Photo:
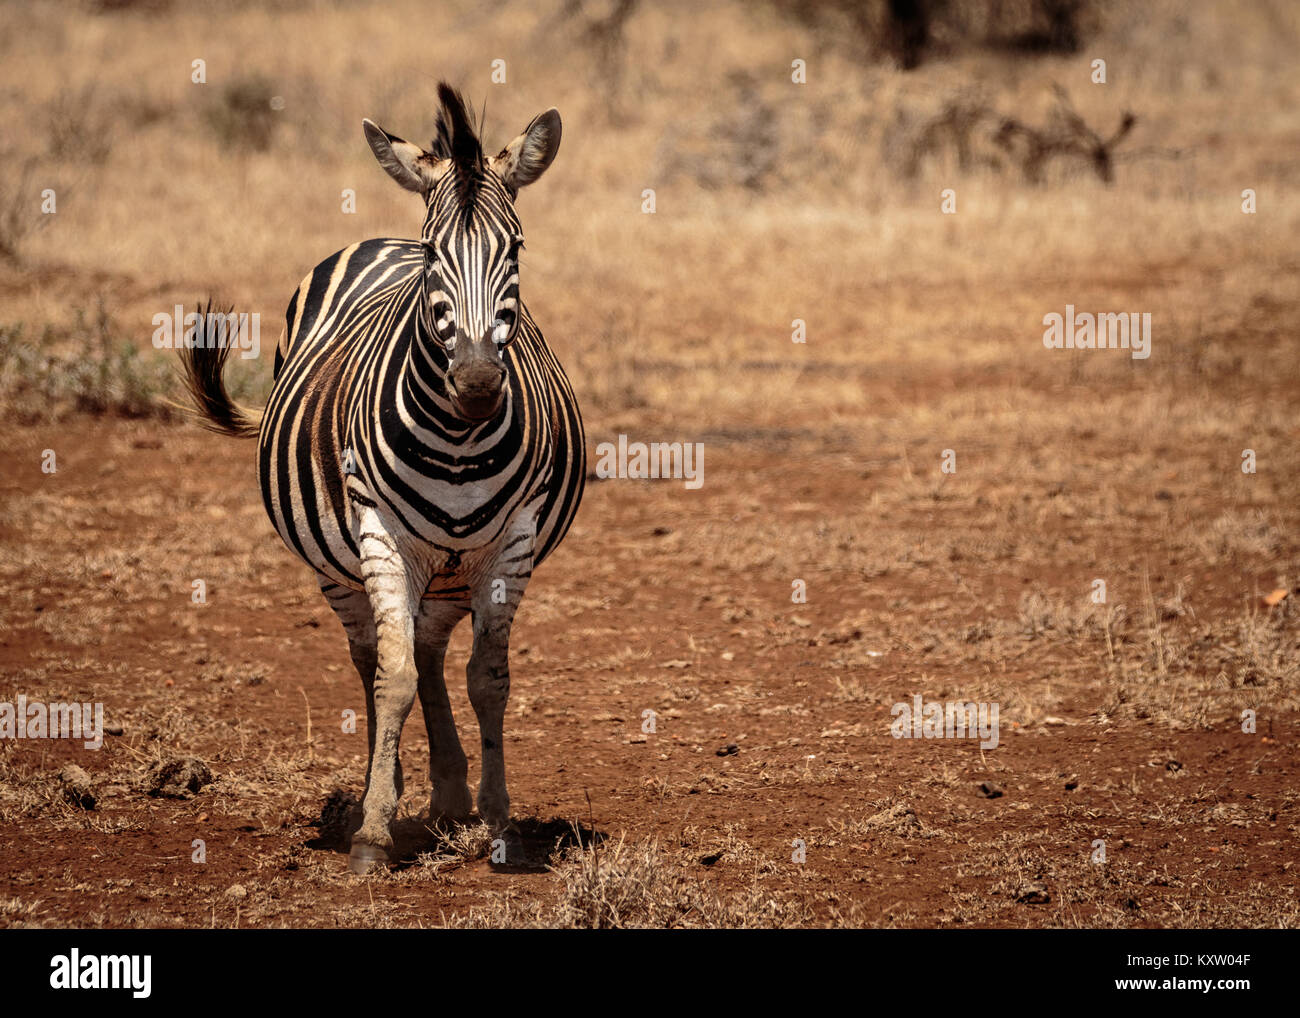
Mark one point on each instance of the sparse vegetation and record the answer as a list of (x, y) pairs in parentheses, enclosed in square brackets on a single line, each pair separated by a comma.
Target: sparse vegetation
[(20, 210), (979, 137), (1120, 720), (244, 118), (102, 371), (79, 127)]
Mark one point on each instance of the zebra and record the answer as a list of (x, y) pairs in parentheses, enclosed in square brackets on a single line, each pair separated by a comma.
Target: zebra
[(422, 450)]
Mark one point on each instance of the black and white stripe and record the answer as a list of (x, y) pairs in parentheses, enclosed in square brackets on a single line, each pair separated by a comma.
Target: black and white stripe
[(358, 374), (422, 451)]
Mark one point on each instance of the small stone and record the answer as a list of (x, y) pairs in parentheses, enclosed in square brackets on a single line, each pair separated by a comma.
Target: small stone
[(990, 790), (77, 787), (177, 779), (1033, 892), (730, 749)]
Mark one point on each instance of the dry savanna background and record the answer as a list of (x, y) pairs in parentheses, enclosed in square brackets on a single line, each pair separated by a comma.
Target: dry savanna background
[(909, 190)]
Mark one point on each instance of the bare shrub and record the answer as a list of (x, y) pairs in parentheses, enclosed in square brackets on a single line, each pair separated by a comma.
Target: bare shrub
[(79, 126), (244, 117), (107, 374), (601, 32), (977, 135), (740, 146), (911, 32), (20, 211)]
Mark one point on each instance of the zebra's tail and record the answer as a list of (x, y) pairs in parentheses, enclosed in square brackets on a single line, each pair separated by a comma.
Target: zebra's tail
[(201, 368)]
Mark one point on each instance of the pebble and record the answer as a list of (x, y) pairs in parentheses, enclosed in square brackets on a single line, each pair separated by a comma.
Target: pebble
[(77, 786), (1033, 892)]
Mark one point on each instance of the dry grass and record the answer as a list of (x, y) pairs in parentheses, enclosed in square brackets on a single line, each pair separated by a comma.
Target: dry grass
[(619, 885), (831, 227), (775, 202)]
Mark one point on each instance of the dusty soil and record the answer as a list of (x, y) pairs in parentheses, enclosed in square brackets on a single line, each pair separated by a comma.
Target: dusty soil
[(677, 601), (1123, 722)]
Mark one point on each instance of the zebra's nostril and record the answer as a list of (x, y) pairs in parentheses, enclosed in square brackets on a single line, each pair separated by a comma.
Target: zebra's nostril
[(478, 382)]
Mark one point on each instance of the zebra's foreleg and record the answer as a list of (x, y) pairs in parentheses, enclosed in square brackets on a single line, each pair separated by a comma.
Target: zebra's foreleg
[(394, 599), (450, 800)]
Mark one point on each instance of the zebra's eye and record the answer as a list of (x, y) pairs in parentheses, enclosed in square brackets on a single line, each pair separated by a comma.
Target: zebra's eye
[(444, 320), (516, 246), (503, 329), (504, 325)]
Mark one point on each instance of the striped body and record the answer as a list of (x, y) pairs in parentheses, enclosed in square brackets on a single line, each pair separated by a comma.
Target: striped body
[(355, 373), (422, 451)]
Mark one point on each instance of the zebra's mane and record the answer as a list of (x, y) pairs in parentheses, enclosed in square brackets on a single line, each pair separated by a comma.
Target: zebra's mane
[(458, 141)]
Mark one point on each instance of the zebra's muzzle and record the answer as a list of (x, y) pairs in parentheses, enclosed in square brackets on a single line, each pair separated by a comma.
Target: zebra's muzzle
[(476, 384)]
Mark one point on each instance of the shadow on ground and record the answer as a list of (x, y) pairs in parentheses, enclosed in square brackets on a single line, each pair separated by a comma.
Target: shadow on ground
[(532, 845)]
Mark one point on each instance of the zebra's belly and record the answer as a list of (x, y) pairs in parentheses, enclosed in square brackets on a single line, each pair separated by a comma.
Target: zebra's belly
[(307, 506), (311, 497), (455, 576)]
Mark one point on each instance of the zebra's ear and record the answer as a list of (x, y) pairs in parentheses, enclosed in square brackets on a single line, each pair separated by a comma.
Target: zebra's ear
[(409, 165), (527, 157)]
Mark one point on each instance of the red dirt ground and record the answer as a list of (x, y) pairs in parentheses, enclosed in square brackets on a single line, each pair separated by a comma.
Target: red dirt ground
[(644, 606)]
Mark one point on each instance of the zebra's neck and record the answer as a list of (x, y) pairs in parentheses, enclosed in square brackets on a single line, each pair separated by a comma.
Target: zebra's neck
[(422, 391)]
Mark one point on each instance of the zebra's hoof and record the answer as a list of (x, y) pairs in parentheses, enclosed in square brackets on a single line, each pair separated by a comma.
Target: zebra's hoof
[(365, 858)]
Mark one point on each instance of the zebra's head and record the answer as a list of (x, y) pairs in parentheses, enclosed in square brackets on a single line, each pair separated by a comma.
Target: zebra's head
[(472, 239)]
